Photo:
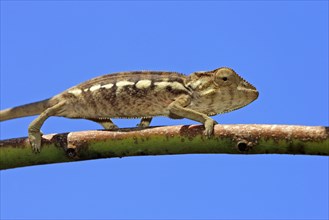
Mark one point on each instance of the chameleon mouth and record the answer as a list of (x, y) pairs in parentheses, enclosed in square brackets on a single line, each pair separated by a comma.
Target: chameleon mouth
[(233, 109), (230, 110), (226, 111)]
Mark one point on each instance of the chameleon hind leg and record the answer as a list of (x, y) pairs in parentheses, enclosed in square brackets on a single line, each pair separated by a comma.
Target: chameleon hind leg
[(34, 127), (106, 123), (145, 122)]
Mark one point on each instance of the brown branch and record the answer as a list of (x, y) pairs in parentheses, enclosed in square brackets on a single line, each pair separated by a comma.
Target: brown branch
[(228, 139)]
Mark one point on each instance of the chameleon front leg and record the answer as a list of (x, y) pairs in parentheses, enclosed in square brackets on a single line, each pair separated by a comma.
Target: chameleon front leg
[(34, 127), (178, 109), (106, 123), (145, 122)]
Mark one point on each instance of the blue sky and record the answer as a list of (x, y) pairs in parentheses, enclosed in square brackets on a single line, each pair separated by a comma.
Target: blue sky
[(280, 47)]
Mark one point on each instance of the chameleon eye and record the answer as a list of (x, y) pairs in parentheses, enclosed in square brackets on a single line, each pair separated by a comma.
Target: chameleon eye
[(223, 77)]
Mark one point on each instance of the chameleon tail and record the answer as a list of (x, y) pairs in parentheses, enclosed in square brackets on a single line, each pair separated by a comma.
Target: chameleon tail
[(25, 110)]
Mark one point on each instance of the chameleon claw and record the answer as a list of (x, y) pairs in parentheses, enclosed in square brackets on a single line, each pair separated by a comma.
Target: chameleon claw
[(112, 127), (143, 125), (109, 126), (208, 133), (209, 127), (35, 141)]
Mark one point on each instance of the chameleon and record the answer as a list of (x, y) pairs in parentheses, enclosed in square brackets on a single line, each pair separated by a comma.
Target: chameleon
[(142, 94)]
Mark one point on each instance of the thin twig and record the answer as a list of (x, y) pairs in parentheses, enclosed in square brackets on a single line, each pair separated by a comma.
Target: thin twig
[(227, 139)]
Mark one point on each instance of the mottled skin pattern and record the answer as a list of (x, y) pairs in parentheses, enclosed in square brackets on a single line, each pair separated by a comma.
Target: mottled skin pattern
[(142, 94)]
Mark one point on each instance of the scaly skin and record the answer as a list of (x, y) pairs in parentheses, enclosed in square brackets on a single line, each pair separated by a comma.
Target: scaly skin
[(142, 94)]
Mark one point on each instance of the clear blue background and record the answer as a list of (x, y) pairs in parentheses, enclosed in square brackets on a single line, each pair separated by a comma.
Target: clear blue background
[(280, 47)]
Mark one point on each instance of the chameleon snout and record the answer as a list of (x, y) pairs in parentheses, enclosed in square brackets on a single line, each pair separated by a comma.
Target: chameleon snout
[(244, 86)]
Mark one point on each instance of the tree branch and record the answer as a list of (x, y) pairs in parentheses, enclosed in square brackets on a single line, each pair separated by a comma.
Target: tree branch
[(228, 139)]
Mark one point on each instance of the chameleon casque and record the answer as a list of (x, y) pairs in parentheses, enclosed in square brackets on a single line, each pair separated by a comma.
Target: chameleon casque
[(142, 94)]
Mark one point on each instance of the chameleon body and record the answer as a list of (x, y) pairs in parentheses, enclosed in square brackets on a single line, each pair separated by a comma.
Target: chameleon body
[(142, 94)]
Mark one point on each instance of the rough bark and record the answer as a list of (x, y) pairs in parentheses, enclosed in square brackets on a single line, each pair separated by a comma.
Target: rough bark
[(168, 140)]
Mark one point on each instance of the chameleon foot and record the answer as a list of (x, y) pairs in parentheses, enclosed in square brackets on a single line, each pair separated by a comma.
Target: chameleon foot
[(35, 141), (109, 126), (145, 122), (209, 127)]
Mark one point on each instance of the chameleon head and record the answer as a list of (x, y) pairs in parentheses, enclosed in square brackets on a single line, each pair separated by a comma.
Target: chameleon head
[(232, 91), (219, 91)]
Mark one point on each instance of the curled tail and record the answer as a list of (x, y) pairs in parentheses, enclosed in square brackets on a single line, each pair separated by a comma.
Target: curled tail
[(25, 110)]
